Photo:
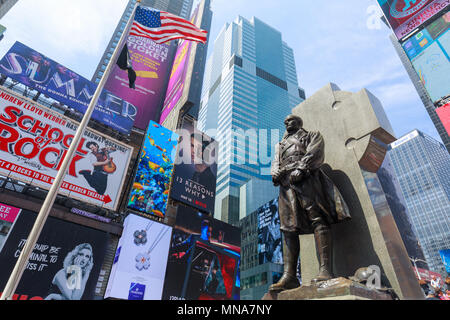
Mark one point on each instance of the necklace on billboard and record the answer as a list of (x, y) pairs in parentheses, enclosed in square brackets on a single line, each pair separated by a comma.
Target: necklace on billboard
[(140, 236), (143, 259)]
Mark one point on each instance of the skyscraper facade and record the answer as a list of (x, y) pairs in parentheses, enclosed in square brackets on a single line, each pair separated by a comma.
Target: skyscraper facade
[(422, 166), (5, 6), (250, 86), (181, 8)]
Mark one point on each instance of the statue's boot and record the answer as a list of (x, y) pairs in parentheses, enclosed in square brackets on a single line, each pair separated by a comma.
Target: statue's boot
[(291, 250), (324, 249)]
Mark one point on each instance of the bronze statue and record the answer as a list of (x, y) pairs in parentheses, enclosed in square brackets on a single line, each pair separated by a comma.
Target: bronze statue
[(309, 202)]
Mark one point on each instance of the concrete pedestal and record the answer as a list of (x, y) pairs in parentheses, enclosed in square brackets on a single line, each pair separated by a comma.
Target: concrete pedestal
[(334, 289)]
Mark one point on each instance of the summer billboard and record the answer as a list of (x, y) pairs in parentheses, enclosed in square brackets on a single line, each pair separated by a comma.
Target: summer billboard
[(65, 262), (204, 259), (152, 63), (405, 16), (140, 262), (39, 72), (150, 191)]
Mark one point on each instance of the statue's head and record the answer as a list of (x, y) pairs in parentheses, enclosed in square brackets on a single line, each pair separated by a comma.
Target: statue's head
[(293, 123)]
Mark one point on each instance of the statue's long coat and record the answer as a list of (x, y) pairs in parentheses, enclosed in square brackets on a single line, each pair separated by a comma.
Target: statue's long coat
[(305, 150)]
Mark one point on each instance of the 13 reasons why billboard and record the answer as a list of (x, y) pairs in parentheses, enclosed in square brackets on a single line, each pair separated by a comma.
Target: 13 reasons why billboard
[(34, 141), (194, 181), (39, 72), (429, 52), (150, 191), (140, 262), (152, 63), (64, 265), (405, 16), (204, 259)]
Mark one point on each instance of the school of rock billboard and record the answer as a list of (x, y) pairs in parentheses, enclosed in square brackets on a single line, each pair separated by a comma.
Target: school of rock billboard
[(150, 190), (41, 73), (194, 181), (269, 234), (204, 259), (65, 262), (152, 63), (139, 265), (404, 16), (34, 141)]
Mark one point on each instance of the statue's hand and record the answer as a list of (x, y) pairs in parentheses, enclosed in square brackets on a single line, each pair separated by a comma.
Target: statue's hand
[(276, 178), (296, 176)]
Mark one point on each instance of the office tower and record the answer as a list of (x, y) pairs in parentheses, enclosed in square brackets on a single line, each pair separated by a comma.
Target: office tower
[(250, 87), (5, 6), (181, 8), (422, 166)]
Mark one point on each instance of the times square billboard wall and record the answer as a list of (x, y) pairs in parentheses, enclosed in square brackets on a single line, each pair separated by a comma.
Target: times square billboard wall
[(64, 265), (150, 190), (140, 261), (429, 52), (404, 16), (41, 73), (152, 63), (195, 173), (34, 141), (204, 259), (269, 235)]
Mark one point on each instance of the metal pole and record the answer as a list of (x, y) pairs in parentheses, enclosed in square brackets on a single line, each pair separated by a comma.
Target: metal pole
[(22, 262)]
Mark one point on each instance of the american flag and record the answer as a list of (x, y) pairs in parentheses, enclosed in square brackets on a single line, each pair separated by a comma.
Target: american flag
[(162, 27)]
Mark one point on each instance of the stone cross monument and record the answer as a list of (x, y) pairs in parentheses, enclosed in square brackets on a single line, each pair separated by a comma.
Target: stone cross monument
[(356, 132)]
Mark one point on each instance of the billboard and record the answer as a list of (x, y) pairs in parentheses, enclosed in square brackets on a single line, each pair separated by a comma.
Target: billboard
[(270, 247), (152, 63), (150, 191), (445, 256), (176, 85), (427, 275), (429, 52), (140, 262), (8, 216), (444, 115), (204, 259), (64, 265), (39, 72), (34, 141), (195, 175), (404, 16)]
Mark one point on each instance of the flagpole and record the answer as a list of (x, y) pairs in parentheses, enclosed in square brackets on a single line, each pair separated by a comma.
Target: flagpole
[(22, 262)]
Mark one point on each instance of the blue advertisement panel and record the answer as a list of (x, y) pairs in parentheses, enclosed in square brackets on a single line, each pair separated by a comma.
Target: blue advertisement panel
[(39, 72), (445, 256), (150, 191), (429, 52), (269, 235)]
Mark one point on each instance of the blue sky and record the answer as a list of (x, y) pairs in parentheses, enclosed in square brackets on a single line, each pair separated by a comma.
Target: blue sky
[(332, 42)]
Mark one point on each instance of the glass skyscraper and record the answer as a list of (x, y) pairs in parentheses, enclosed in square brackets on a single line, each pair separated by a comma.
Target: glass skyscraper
[(422, 166), (250, 87), (181, 8)]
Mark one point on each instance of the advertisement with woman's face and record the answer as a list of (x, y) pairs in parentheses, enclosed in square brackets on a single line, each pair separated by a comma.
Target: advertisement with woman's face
[(65, 263)]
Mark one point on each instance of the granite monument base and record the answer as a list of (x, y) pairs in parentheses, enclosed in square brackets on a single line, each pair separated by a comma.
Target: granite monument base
[(334, 289)]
